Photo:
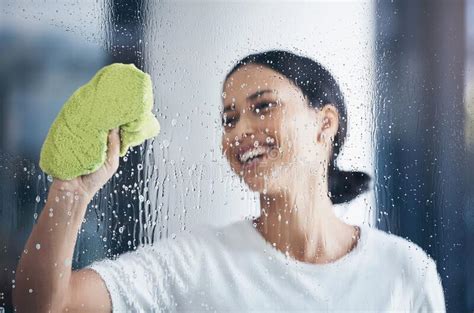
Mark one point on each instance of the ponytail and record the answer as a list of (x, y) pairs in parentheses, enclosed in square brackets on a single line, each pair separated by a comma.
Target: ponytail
[(346, 185)]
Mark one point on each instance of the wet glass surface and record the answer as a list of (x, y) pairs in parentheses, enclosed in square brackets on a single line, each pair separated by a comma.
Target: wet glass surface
[(406, 74)]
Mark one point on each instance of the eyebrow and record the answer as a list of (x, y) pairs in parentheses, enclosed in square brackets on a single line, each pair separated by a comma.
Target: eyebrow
[(250, 98)]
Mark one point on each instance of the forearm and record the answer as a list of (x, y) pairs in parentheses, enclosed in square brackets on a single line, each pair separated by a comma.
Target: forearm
[(43, 275), (44, 270)]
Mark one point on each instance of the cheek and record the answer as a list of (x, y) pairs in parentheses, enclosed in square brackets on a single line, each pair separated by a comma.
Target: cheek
[(296, 141), (228, 149), (274, 127), (287, 135), (308, 148), (226, 145)]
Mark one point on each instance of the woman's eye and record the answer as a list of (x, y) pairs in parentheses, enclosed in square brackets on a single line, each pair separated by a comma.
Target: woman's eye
[(263, 106), (228, 121)]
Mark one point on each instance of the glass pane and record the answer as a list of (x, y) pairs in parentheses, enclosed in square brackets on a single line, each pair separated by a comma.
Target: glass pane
[(311, 156)]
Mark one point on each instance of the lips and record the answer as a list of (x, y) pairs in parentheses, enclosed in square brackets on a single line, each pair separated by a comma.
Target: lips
[(243, 152)]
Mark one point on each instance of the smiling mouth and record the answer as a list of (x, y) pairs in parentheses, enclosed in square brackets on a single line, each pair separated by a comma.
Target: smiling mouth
[(254, 161), (254, 156)]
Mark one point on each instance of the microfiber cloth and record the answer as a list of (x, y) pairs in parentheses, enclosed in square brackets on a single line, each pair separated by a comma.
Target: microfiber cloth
[(119, 95)]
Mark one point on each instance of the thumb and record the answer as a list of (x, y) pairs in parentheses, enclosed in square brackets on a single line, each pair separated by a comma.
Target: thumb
[(113, 149)]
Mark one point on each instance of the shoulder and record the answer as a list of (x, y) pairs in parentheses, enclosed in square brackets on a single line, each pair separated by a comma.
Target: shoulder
[(407, 266), (402, 254)]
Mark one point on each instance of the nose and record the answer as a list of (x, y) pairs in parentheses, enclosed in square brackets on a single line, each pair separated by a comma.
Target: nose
[(243, 128)]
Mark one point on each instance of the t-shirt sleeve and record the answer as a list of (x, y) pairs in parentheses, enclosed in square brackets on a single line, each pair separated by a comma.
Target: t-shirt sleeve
[(137, 281), (431, 296)]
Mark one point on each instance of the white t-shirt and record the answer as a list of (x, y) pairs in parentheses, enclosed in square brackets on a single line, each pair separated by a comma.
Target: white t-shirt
[(234, 269)]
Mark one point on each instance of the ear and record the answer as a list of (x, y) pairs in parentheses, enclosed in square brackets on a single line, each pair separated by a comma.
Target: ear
[(329, 121)]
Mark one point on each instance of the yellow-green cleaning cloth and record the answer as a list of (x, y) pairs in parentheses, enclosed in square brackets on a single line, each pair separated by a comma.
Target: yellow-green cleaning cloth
[(119, 95)]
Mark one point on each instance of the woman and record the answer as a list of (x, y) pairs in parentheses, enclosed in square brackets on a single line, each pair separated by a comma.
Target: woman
[(284, 121)]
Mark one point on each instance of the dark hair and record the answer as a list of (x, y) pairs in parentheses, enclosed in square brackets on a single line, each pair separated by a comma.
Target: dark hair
[(320, 87)]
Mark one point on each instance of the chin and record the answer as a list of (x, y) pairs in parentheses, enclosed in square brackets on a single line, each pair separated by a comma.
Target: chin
[(259, 176)]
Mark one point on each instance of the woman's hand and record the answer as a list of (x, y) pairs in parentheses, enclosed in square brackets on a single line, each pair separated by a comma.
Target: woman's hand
[(86, 186)]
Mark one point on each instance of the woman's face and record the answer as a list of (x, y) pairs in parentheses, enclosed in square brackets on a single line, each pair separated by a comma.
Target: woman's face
[(271, 134)]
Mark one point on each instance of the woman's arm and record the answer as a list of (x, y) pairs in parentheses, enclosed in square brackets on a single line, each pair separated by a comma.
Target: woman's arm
[(44, 281)]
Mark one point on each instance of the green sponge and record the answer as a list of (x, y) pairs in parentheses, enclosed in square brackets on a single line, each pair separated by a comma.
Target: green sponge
[(119, 95)]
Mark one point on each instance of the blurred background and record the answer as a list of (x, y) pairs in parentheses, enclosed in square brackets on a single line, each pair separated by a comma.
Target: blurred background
[(406, 69)]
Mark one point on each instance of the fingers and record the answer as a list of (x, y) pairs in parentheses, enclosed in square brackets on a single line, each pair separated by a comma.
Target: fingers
[(113, 149)]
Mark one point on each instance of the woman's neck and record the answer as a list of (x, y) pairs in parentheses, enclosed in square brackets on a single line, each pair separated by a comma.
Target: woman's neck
[(301, 222)]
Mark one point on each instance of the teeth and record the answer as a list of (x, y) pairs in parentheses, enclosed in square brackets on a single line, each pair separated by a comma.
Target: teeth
[(253, 153)]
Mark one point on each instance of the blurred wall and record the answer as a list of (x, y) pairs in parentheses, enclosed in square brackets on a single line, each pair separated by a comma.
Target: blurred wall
[(424, 175), (469, 128)]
